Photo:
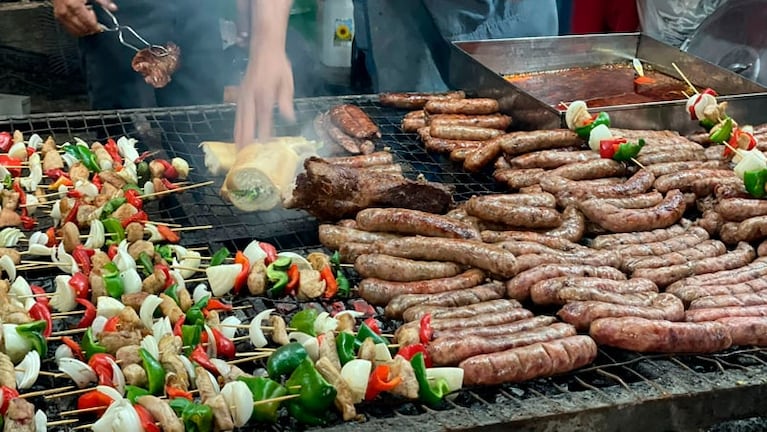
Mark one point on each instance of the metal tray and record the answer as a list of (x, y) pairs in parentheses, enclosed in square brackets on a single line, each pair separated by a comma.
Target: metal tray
[(479, 67)]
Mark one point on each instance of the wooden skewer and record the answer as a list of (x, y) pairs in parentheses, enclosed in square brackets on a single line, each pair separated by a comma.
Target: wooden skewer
[(83, 410), (249, 359), (258, 352), (62, 422), (178, 189), (192, 228), (686, 95), (196, 270), (636, 162), (167, 224), (46, 373), (687, 81), (277, 399), (65, 314), (197, 280), (69, 393), (69, 332), (45, 392)]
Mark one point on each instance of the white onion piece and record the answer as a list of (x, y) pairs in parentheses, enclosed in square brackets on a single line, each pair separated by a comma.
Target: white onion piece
[(16, 346), (221, 278), (222, 366), (131, 281), (127, 148), (98, 325), (312, 347), (749, 160), (63, 351), (20, 290), (154, 233), (189, 368), (598, 134), (7, 265), (300, 262), (257, 337), (28, 370), (56, 213), (106, 422), (452, 375), (574, 111), (87, 188), (229, 326), (161, 328), (356, 373), (64, 261), (148, 188), (32, 203), (38, 237), (240, 401), (150, 344), (212, 349), (41, 421), (34, 178), (18, 151), (146, 313), (9, 237), (123, 260), (190, 261), (128, 173), (62, 190), (355, 314), (200, 291), (383, 355), (324, 323), (118, 378), (254, 252), (108, 306), (216, 387), (35, 141), (127, 419), (63, 300), (81, 373), (180, 282), (95, 235), (299, 337), (39, 250), (109, 392), (181, 166), (706, 100)]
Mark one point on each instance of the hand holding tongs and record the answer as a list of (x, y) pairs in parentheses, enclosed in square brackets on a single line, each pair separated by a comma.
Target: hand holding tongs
[(157, 50)]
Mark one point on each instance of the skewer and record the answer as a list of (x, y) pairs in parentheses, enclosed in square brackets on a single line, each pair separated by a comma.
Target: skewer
[(45, 392), (64, 314), (636, 162), (68, 332), (178, 189), (192, 228), (687, 81), (62, 422), (201, 280), (46, 373), (82, 410), (69, 393), (249, 359)]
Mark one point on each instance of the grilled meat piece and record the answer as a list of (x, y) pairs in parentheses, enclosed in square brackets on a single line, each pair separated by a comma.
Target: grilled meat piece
[(157, 69)]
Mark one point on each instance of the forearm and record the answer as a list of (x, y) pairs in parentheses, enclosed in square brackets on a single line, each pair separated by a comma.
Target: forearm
[(269, 24)]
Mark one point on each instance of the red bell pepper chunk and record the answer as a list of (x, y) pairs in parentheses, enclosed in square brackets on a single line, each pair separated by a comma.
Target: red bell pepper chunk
[(55, 173), (379, 382), (72, 215), (271, 252), (170, 170), (148, 423), (215, 304), (51, 234), (13, 165), (174, 392), (30, 151), (94, 399), (6, 141), (83, 259), (89, 315), (111, 324), (242, 277), (607, 148), (166, 274), (331, 285), (100, 364), (76, 194), (79, 283), (168, 185), (96, 180), (40, 312), (177, 326), (139, 217), (28, 222), (407, 352), (200, 357), (425, 332), (224, 346), (74, 347), (133, 197), (114, 152), (294, 279), (168, 234), (372, 323), (43, 299), (112, 251), (8, 395)]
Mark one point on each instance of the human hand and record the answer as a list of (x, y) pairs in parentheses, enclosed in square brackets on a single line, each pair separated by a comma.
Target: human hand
[(268, 81), (77, 17)]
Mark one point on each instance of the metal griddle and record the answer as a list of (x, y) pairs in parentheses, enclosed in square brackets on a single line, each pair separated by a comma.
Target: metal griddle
[(479, 66), (620, 391)]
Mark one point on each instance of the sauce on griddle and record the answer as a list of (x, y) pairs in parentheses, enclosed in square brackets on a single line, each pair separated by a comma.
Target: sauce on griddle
[(599, 86)]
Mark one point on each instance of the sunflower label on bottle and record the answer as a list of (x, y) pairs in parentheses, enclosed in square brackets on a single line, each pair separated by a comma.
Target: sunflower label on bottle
[(336, 31), (344, 31)]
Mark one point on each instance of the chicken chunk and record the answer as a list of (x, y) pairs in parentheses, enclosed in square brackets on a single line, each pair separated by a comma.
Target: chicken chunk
[(408, 387), (344, 400), (170, 309), (128, 320), (328, 350), (112, 178), (7, 373), (279, 330), (204, 384), (222, 416), (134, 232), (128, 355), (368, 350), (9, 218), (20, 416), (136, 248), (134, 300), (310, 285), (113, 341), (162, 412), (257, 278), (52, 160), (10, 200), (99, 260), (124, 212), (78, 171), (86, 213), (135, 375), (184, 298), (70, 236)]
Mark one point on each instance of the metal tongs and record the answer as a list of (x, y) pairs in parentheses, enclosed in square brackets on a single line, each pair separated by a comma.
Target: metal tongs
[(156, 50)]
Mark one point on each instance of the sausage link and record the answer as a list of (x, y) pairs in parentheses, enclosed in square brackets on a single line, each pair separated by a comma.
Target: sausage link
[(493, 121), (640, 201), (706, 249), (460, 154), (611, 259), (636, 184), (516, 215), (530, 236), (463, 133), (744, 299), (354, 122), (683, 180), (550, 291), (363, 161), (576, 294), (647, 335), (615, 219), (690, 238), (351, 251), (671, 156), (761, 250), (334, 236), (710, 221), (608, 241), (746, 331), (415, 313), (498, 330), (752, 229), (413, 121), (518, 178), (691, 293), (380, 292), (661, 169), (591, 169), (573, 225), (451, 351), (529, 362), (405, 221), (475, 106), (740, 209), (519, 286), (751, 271), (542, 199), (396, 269), (483, 156), (516, 143), (416, 100), (550, 159), (445, 324), (478, 294), (581, 314), (713, 314)]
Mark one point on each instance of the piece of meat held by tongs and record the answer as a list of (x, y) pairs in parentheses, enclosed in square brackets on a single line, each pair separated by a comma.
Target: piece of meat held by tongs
[(155, 62)]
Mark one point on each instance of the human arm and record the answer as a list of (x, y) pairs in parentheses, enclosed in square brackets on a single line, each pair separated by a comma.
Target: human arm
[(268, 79), (77, 17)]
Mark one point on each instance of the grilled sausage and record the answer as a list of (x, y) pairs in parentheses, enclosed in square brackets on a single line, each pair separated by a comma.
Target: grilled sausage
[(747, 272), (483, 156), (493, 121), (591, 169), (529, 236), (334, 236), (405, 221), (706, 249), (380, 292), (415, 313), (611, 259), (671, 156), (528, 362), (691, 293), (741, 256), (636, 184), (497, 330), (542, 199), (578, 294), (516, 215), (661, 169), (460, 154), (550, 159), (743, 299), (761, 250), (402, 270), (349, 143), (683, 180), (550, 291), (477, 106), (416, 100), (615, 219), (408, 333), (463, 133), (362, 161), (491, 258), (413, 121), (640, 201), (519, 287), (518, 178), (354, 122), (713, 314), (351, 251), (451, 351), (752, 229), (729, 187), (691, 237), (573, 226), (728, 232), (746, 331), (710, 221), (518, 247), (608, 241), (440, 145), (581, 314), (516, 143), (478, 294), (647, 335)]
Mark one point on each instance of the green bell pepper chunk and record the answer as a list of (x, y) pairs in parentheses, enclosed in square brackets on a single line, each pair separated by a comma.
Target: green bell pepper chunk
[(146, 263), (316, 394), (602, 119), (113, 226), (164, 251), (89, 346), (33, 333), (303, 321), (219, 257), (628, 151), (113, 283), (8, 182), (722, 131), (171, 292), (707, 124), (335, 260), (2, 423), (142, 172), (194, 316), (131, 186), (365, 332), (302, 416), (132, 393), (344, 286), (155, 374), (202, 302), (755, 182), (277, 273), (263, 389), (178, 405), (190, 336), (111, 206), (285, 359), (428, 392), (346, 347), (197, 418), (88, 158)]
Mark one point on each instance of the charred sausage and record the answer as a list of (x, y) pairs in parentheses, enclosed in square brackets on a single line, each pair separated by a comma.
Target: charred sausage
[(416, 100), (493, 121), (380, 292), (519, 286), (476, 106), (581, 314), (615, 219), (646, 335), (636, 184), (354, 122), (402, 270), (405, 221)]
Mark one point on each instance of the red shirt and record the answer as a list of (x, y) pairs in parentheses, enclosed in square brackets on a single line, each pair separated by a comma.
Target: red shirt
[(604, 16)]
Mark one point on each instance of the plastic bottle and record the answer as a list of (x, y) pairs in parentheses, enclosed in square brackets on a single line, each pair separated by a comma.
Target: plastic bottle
[(336, 28)]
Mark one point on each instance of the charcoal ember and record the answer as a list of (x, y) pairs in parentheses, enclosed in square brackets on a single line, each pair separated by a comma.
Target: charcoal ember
[(285, 308), (157, 69), (331, 192), (362, 306)]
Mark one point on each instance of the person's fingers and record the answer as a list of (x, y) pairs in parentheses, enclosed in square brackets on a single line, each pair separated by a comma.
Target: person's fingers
[(285, 101), (108, 4), (80, 20), (244, 122), (264, 115)]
